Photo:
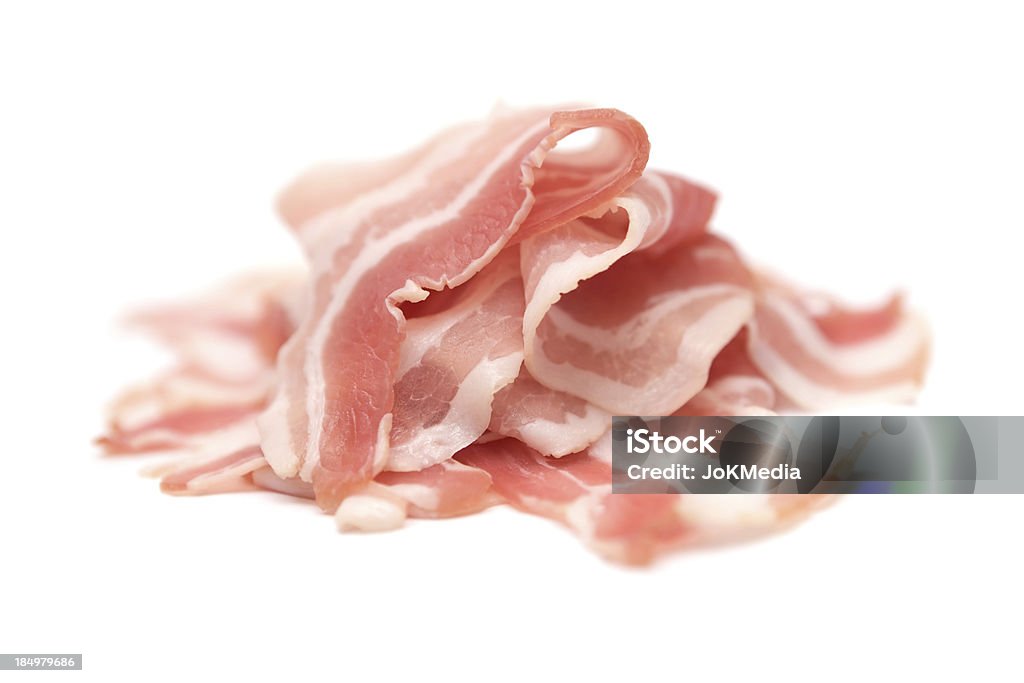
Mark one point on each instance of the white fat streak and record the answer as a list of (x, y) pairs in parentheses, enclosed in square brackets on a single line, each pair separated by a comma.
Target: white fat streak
[(372, 254), (373, 509), (635, 332), (732, 395), (181, 388), (579, 515), (573, 433), (809, 394), (700, 341), (206, 447), (321, 234), (152, 402), (601, 449), (275, 437), (565, 276), (741, 385), (203, 445), (223, 478), (718, 514), (876, 356), (380, 453), (424, 334), (322, 238), (423, 497), (655, 181), (234, 437), (468, 416), (593, 490)]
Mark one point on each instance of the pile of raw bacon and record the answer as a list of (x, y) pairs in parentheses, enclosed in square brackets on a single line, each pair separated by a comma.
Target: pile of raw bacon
[(472, 315)]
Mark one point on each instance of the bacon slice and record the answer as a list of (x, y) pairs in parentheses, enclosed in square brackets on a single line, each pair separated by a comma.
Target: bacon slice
[(178, 410), (451, 364), (735, 385), (232, 332), (219, 474), (638, 338), (732, 395), (441, 217), (448, 489), (631, 528), (820, 353), (576, 491), (226, 342), (552, 422)]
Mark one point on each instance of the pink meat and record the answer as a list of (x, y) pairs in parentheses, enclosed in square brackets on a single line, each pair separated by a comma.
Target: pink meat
[(474, 313), (638, 338), (549, 421), (452, 362), (448, 489), (631, 528), (819, 353), (232, 332), (225, 341), (221, 474), (440, 217), (735, 385)]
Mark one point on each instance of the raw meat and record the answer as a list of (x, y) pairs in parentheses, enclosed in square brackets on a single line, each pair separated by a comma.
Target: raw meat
[(473, 314)]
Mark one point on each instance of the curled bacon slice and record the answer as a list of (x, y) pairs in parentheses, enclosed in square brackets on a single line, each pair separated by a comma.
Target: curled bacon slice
[(820, 353), (440, 216)]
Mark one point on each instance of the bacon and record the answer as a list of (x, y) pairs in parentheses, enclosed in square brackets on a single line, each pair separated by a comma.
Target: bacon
[(638, 338), (232, 332), (220, 474), (451, 364), (735, 385), (631, 528), (473, 314), (266, 479), (226, 341), (820, 353), (552, 422), (576, 491), (448, 489), (443, 215), (179, 409), (732, 395)]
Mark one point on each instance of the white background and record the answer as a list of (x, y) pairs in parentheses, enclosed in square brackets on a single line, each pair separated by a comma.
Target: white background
[(862, 149)]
